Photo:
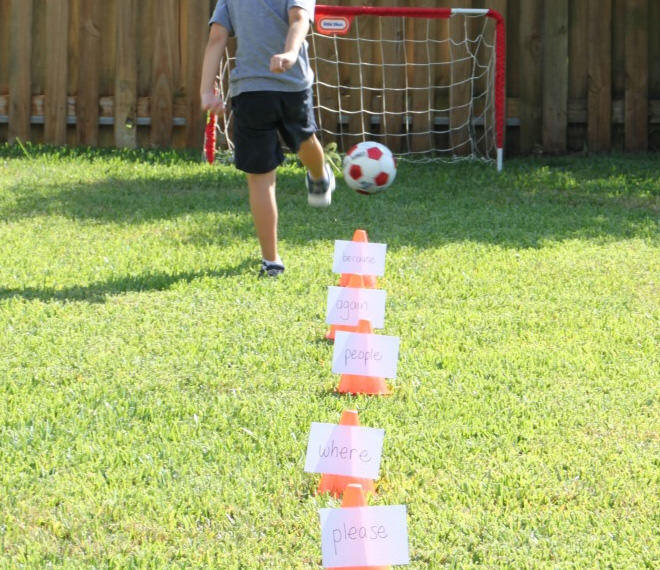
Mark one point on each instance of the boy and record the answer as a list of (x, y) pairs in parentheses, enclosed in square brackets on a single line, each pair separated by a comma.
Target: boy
[(270, 89)]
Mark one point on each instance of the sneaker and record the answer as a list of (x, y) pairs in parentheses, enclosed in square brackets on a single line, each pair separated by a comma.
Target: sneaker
[(319, 192), (271, 269)]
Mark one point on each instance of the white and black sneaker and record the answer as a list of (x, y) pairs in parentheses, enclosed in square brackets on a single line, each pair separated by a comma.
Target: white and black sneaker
[(271, 268), (319, 192)]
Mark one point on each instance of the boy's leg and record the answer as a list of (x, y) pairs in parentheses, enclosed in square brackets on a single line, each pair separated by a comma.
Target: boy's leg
[(264, 212), (311, 155), (258, 154), (320, 180)]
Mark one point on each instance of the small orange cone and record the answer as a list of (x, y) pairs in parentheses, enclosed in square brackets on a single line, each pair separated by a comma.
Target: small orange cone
[(369, 281), (360, 384), (354, 497), (357, 282), (335, 484)]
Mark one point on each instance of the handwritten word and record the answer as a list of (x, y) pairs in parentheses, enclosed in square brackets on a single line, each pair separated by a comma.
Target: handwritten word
[(345, 307), (363, 355), (358, 258), (374, 532), (343, 452)]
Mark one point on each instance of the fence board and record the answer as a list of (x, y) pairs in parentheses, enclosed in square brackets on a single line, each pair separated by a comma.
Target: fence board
[(125, 111), (20, 52), (654, 69), (196, 35), (421, 100), (393, 81), (513, 48), (327, 118), (459, 92), (75, 52), (578, 48), (351, 121), (5, 18), (57, 28), (636, 53), (323, 54), (145, 45), (377, 100), (87, 109), (599, 97), (530, 49), (618, 48), (578, 64), (654, 49), (163, 75), (39, 46), (555, 76)]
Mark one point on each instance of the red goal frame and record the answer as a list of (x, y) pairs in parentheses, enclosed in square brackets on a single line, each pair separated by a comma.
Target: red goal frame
[(337, 20)]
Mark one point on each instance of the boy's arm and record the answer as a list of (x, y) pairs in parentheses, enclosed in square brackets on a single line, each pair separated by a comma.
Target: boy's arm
[(215, 49), (298, 28)]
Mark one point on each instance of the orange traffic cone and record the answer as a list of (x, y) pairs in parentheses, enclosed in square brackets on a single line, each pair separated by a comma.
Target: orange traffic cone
[(369, 281), (360, 384), (357, 282), (354, 497), (330, 335), (335, 484), (360, 235)]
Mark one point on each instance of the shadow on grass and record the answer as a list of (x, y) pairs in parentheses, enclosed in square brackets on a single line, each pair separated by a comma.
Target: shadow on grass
[(531, 202), (100, 291), (130, 200)]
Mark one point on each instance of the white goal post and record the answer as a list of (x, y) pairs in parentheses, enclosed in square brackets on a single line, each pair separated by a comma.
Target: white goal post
[(429, 83)]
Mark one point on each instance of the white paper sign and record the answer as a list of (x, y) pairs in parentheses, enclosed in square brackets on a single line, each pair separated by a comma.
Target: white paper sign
[(364, 536), (359, 257), (344, 450), (348, 305), (365, 354)]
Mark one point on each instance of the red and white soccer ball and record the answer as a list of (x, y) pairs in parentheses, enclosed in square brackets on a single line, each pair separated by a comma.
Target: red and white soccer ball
[(369, 167)]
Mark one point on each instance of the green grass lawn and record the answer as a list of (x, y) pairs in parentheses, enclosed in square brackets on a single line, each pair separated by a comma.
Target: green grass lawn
[(156, 397)]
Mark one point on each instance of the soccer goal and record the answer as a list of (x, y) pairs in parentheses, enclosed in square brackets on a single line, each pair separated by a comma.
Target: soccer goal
[(426, 82)]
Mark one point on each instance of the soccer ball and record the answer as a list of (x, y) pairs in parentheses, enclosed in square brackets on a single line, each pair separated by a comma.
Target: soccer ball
[(369, 167)]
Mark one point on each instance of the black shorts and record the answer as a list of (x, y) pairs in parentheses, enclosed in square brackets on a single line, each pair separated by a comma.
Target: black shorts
[(261, 117)]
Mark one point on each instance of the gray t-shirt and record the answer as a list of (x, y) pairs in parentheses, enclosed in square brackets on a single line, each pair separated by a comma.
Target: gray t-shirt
[(260, 28)]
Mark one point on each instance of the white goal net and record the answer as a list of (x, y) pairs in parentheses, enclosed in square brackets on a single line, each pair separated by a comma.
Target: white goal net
[(426, 82)]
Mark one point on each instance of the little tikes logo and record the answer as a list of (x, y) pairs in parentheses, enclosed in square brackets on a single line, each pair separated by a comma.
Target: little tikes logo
[(333, 25)]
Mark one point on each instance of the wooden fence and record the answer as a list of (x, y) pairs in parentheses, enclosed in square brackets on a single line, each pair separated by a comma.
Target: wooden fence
[(581, 74)]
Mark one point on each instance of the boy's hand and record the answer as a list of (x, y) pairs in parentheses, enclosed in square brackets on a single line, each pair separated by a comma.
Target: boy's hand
[(213, 103), (282, 62)]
